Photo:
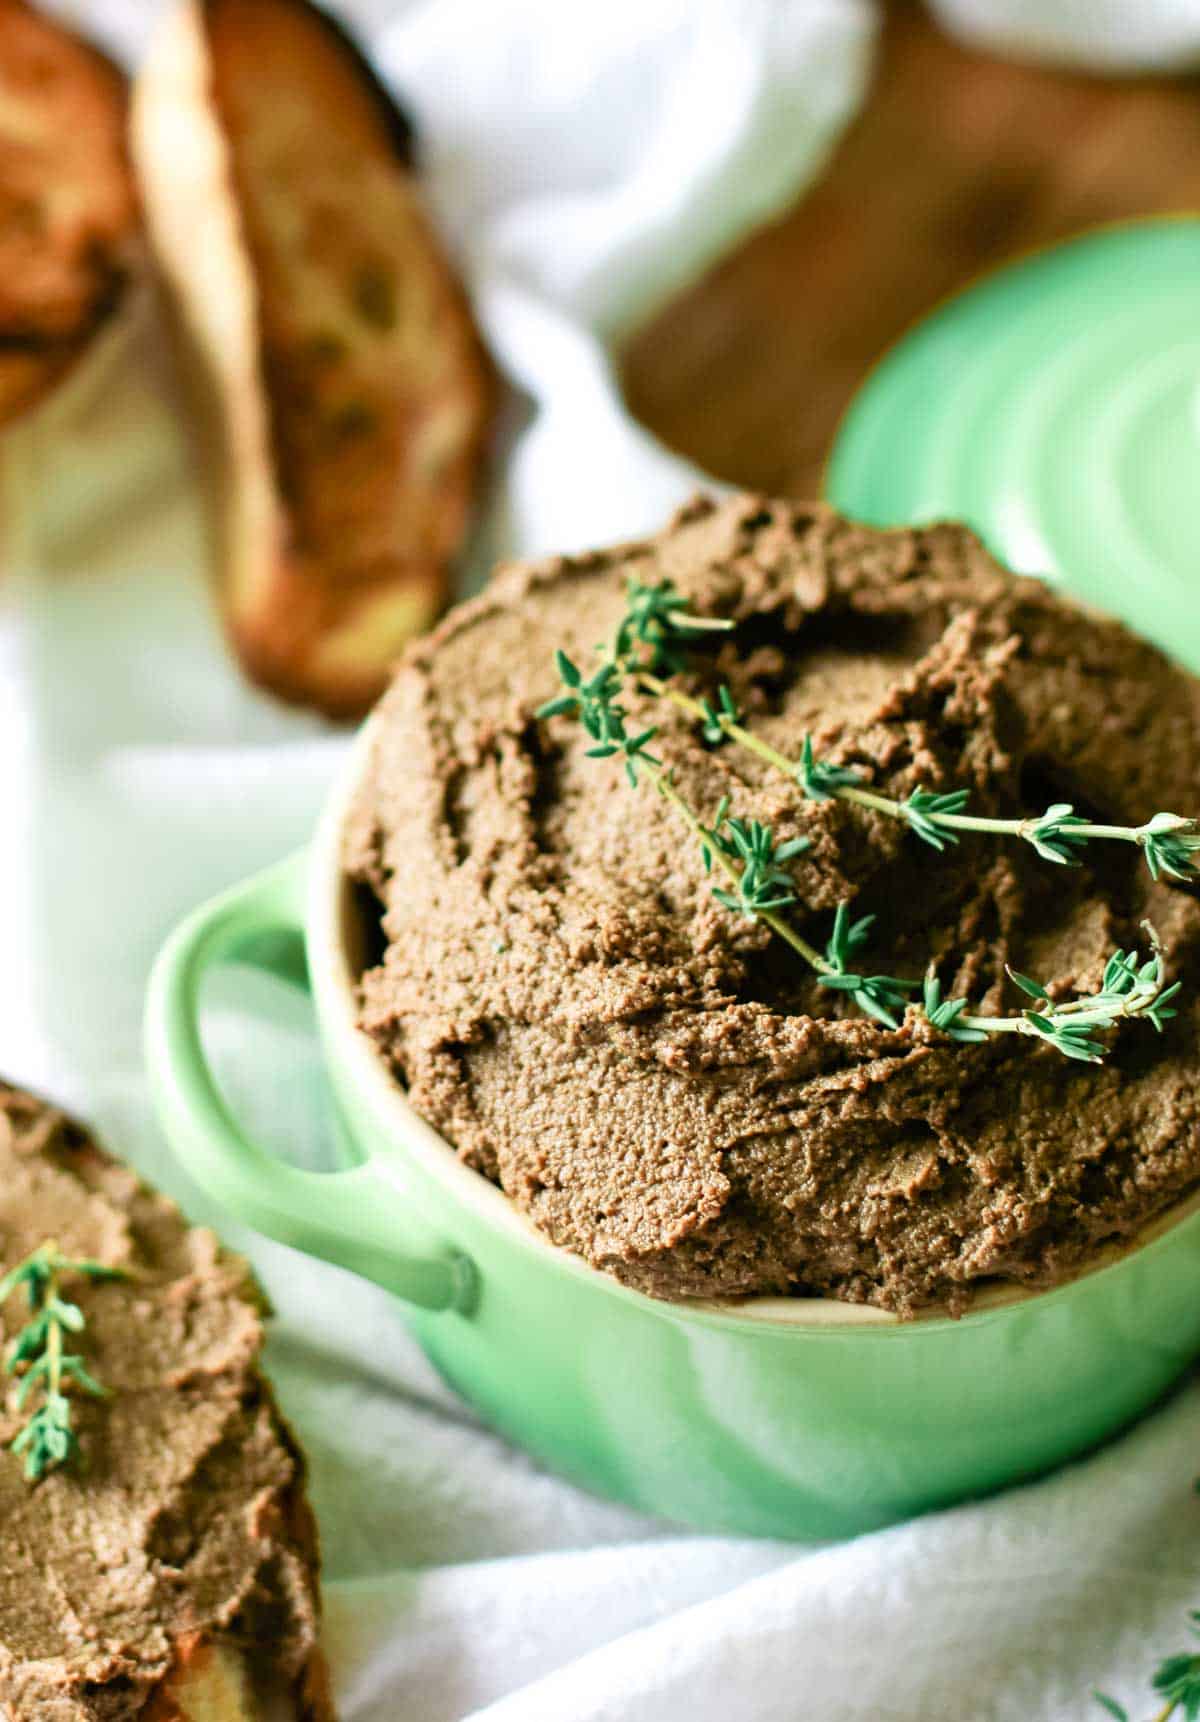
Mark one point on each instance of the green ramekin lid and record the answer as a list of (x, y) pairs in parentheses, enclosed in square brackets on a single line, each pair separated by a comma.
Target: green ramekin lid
[(1055, 407)]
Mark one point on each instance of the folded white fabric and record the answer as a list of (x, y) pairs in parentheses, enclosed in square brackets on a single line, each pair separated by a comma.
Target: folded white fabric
[(586, 160), (1104, 35)]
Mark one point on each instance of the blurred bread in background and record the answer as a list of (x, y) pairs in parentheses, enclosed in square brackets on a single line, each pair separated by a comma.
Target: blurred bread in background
[(68, 205), (344, 396)]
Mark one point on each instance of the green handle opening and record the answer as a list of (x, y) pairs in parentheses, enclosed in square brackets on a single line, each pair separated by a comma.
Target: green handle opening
[(347, 1218)]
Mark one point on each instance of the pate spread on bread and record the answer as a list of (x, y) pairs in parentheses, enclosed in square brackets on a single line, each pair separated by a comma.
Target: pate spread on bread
[(168, 1572)]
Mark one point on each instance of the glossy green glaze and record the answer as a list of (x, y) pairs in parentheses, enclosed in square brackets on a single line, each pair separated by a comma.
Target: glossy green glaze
[(1056, 408)]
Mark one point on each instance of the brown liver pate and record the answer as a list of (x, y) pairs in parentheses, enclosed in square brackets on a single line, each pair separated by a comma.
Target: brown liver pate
[(658, 1083)]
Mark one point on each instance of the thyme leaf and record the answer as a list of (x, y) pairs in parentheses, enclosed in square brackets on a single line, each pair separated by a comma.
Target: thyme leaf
[(1057, 834), (946, 1014), (1169, 844), (820, 779), (717, 716), (926, 814), (596, 705)]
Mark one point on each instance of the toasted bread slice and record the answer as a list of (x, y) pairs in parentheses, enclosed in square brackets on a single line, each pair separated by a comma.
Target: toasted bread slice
[(345, 389), (68, 205)]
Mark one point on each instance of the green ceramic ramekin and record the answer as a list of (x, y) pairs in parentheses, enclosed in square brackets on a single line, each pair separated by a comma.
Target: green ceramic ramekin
[(1057, 407), (805, 1419)]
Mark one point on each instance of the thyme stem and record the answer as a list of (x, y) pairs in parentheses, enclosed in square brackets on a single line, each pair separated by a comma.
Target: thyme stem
[(735, 731), (1167, 840), (54, 1353), (1081, 1011)]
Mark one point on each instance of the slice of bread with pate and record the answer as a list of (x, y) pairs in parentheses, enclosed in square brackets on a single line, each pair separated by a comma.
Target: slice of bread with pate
[(165, 1569)]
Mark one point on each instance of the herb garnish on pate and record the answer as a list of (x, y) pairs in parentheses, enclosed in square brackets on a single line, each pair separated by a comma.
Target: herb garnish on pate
[(38, 1359), (649, 646)]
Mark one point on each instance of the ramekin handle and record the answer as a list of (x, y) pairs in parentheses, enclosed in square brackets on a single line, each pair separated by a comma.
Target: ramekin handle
[(344, 1217)]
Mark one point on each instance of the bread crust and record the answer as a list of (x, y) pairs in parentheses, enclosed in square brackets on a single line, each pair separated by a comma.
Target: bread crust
[(68, 205), (344, 393), (211, 1682)]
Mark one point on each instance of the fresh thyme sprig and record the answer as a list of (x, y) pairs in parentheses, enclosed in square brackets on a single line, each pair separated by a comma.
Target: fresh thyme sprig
[(762, 888), (1169, 842), (657, 619), (1176, 1681), (37, 1358)]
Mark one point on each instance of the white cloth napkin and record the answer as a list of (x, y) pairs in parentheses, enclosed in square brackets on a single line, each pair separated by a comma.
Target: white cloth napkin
[(585, 160), (1103, 35)]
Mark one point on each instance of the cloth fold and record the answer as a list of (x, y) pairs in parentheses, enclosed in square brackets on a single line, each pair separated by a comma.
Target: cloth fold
[(585, 162)]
